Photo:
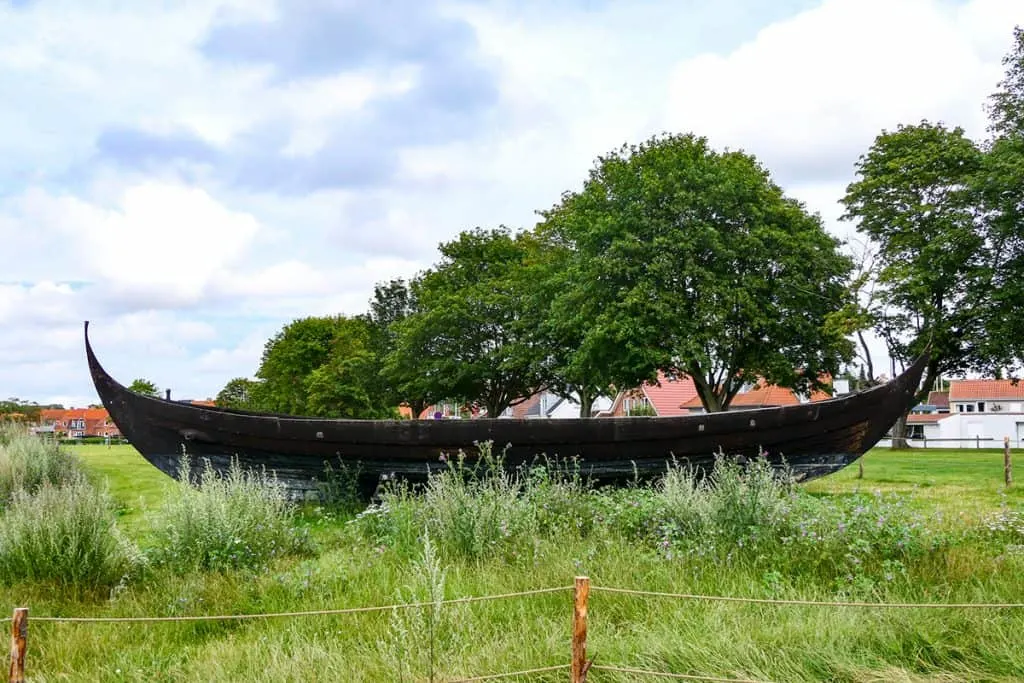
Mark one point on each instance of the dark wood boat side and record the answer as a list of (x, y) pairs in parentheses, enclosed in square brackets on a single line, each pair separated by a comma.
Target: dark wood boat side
[(814, 439)]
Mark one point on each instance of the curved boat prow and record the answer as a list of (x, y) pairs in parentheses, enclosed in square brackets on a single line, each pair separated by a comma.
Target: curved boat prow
[(105, 384)]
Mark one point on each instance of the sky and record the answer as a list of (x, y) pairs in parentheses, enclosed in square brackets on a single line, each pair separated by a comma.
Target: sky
[(191, 176)]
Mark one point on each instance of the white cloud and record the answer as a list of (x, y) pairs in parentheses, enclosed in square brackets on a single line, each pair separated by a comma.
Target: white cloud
[(809, 94), (186, 278), (161, 240)]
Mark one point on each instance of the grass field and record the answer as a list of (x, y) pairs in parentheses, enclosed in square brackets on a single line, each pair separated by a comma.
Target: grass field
[(955, 489)]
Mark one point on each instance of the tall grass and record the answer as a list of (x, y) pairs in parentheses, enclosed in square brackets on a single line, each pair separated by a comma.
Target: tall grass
[(64, 536), (27, 462), (739, 515), (749, 532), (480, 509), (243, 519)]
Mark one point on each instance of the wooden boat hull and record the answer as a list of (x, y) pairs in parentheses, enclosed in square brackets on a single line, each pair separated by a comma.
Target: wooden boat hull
[(813, 439)]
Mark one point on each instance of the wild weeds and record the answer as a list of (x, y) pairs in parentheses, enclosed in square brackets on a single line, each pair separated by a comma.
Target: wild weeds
[(419, 639), (748, 513), (28, 461), (242, 519), (65, 536)]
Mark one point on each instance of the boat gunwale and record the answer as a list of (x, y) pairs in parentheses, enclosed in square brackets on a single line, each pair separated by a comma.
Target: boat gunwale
[(399, 431)]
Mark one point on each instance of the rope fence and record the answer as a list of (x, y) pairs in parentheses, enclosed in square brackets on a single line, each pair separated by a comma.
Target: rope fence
[(579, 665), (813, 603)]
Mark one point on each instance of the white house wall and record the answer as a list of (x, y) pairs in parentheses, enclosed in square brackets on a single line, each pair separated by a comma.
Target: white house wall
[(571, 408), (971, 430)]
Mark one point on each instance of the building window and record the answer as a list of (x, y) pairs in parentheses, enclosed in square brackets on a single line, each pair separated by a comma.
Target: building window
[(915, 431), (981, 406), (638, 406)]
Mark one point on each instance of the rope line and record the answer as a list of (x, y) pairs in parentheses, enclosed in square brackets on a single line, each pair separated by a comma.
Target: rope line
[(539, 591), (812, 603), (664, 674), (491, 677), (324, 612)]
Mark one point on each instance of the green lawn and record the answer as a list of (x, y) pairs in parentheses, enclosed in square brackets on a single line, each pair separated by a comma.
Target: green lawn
[(965, 481), (136, 485)]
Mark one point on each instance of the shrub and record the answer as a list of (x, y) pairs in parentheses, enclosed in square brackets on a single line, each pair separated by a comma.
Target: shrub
[(243, 519), (469, 510), (472, 510), (65, 535), (27, 462)]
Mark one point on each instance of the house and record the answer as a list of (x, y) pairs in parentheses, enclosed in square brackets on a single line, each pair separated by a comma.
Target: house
[(975, 413), (448, 410), (547, 404), (663, 399), (78, 422), (761, 395), (936, 403)]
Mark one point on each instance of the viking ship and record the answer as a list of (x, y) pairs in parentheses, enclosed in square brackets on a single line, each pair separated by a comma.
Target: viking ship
[(811, 439)]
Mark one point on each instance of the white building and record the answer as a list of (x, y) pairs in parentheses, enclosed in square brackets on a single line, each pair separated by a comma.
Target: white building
[(979, 414)]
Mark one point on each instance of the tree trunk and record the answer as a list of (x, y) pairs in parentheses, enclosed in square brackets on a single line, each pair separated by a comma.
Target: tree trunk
[(709, 398), (417, 406), (867, 358), (586, 403), (899, 430)]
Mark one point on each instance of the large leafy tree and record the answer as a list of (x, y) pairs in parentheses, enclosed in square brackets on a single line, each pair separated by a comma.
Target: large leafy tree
[(1006, 105), (913, 199), (1001, 188), (348, 384), (553, 311), (289, 357), (239, 392), (321, 366), (393, 302), (468, 340), (690, 260)]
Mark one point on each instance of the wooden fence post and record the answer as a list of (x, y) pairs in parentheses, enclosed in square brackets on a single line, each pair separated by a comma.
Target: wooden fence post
[(1007, 463), (579, 630), (19, 638)]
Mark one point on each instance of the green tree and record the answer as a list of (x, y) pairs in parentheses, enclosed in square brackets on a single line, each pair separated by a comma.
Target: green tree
[(689, 260), (348, 385), (393, 302), (468, 340), (913, 198), (1006, 104), (553, 313), (1001, 188), (16, 409), (238, 393), (322, 366), (144, 387), (289, 357)]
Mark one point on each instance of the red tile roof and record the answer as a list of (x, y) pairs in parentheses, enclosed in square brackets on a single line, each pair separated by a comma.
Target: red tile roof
[(939, 399), (669, 396), (918, 418), (50, 414), (974, 389), (96, 421), (519, 410), (762, 396)]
